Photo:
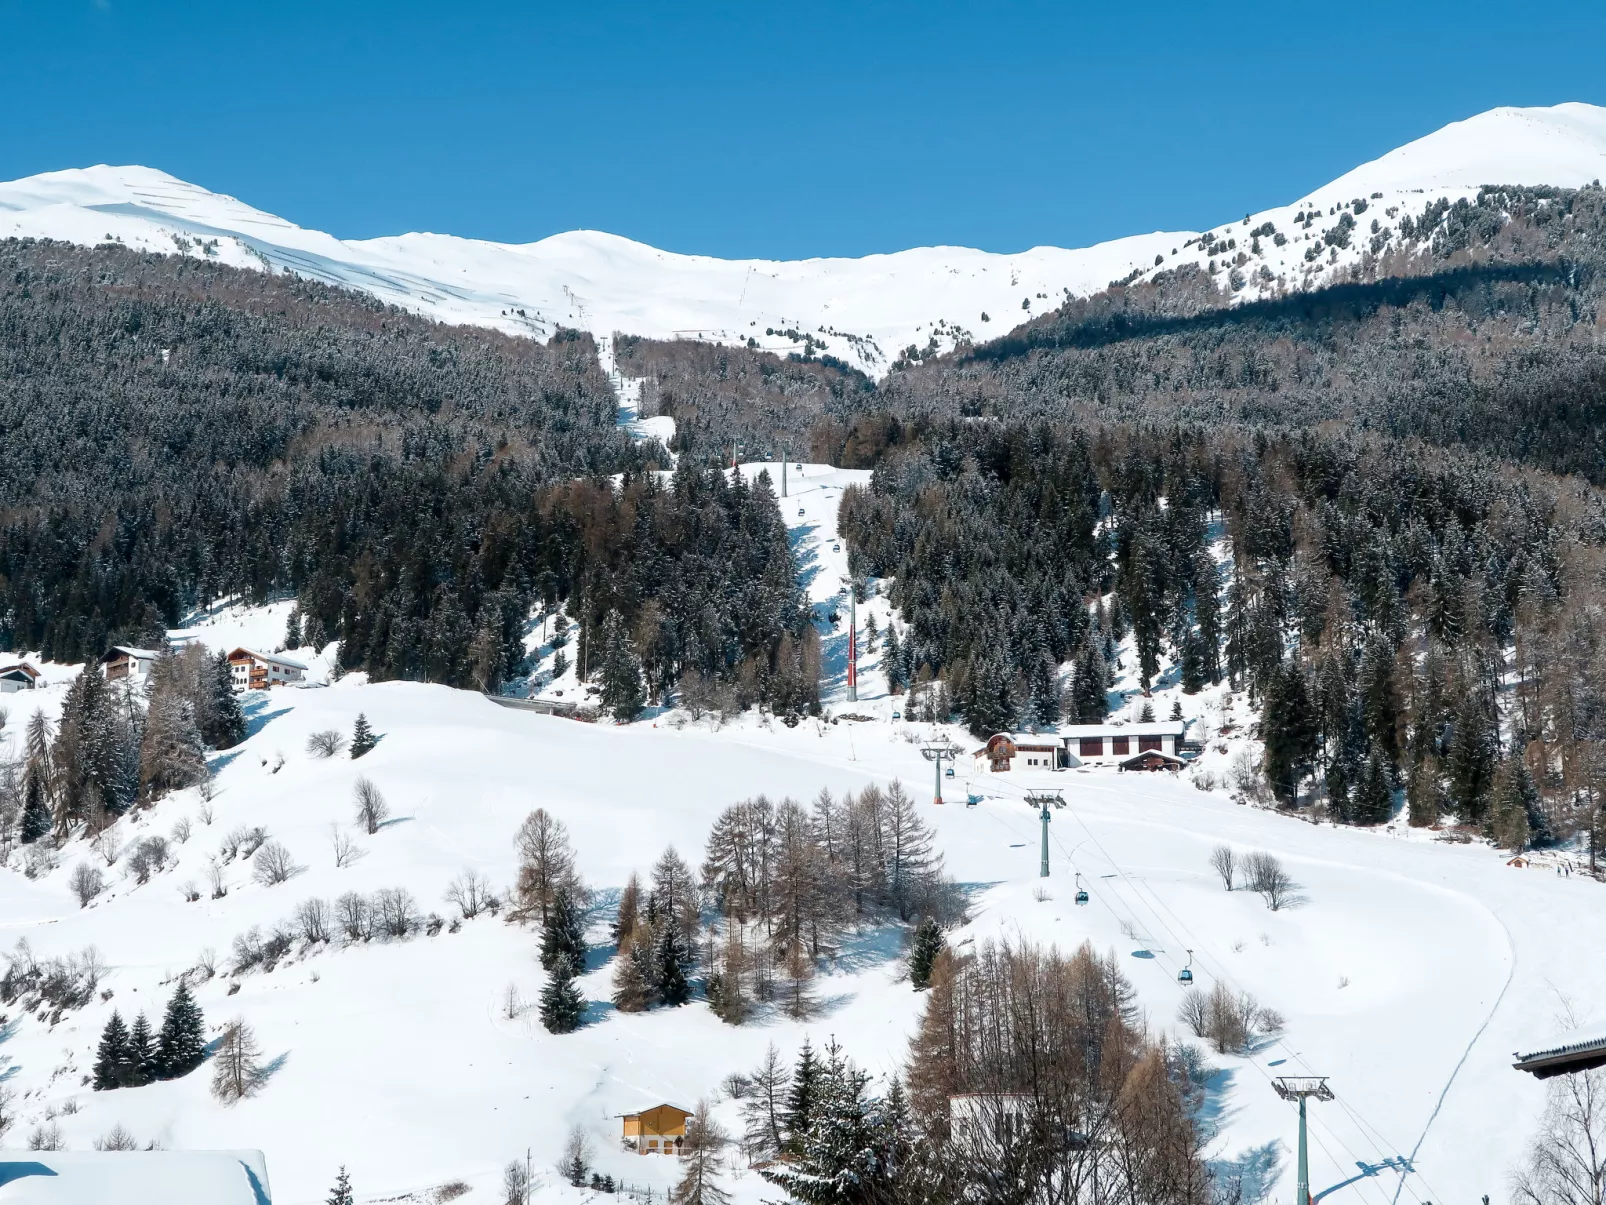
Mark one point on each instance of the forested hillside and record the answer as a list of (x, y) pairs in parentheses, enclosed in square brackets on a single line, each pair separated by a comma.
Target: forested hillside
[(1407, 616), (175, 431)]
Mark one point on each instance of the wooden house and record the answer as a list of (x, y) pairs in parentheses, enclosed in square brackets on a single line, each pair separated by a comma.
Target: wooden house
[(17, 676), (121, 661), (251, 670), (660, 1130), (1005, 751)]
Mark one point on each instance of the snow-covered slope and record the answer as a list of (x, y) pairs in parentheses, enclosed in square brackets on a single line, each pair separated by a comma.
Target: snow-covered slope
[(1407, 973), (864, 311)]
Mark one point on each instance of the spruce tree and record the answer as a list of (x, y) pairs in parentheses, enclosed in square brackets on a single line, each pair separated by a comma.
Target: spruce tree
[(800, 1097), (362, 737), (928, 944), (892, 661), (561, 1004), (292, 629), (1288, 727), (35, 811), (1146, 716), (111, 1056), (1194, 667), (225, 725), (142, 1054), (181, 1046), (621, 671), (631, 991), (673, 961), (341, 1193), (563, 933), (1374, 800)]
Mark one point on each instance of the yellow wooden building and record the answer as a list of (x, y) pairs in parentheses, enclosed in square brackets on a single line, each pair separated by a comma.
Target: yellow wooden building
[(660, 1130)]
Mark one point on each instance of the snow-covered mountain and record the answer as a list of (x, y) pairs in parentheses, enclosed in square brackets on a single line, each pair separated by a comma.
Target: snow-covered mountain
[(864, 311)]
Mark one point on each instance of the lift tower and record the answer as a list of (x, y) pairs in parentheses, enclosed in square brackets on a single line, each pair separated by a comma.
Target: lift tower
[(1300, 1088), (1041, 799)]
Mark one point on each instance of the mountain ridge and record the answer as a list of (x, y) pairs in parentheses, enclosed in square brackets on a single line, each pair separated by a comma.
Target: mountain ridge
[(867, 311)]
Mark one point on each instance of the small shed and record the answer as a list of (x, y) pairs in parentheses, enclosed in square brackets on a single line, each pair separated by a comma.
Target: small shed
[(17, 676), (660, 1130), (1153, 759), (1565, 1053)]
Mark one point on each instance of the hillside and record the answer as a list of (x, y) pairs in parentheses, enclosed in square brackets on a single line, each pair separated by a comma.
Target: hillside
[(864, 312)]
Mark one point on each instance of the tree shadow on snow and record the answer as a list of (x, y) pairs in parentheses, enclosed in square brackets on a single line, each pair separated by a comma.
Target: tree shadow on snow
[(223, 761), (1250, 1177), (271, 1068), (596, 1012), (258, 717)]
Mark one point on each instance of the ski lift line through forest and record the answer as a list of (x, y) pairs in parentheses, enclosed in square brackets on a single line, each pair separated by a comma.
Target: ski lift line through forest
[(1371, 1138)]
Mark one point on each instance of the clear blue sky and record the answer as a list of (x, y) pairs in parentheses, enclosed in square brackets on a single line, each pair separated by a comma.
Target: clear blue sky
[(762, 129)]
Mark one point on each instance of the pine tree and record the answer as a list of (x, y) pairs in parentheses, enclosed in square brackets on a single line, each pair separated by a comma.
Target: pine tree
[(1176, 709), (561, 1004), (1471, 760), (1288, 727), (800, 1097), (1516, 809), (142, 1055), (341, 1193), (892, 661), (362, 737), (563, 933), (841, 1154), (1089, 690), (674, 960), (181, 1046), (928, 944), (1374, 801), (292, 629), (225, 725), (1194, 666), (111, 1057), (1146, 716), (621, 670)]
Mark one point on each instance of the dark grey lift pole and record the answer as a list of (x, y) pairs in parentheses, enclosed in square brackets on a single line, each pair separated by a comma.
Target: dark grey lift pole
[(1042, 799)]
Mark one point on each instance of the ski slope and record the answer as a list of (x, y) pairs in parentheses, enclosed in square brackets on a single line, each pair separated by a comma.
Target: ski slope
[(863, 311), (1409, 973)]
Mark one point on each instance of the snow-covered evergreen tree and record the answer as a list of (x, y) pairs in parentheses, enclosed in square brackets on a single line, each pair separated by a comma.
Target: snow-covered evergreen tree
[(563, 933), (142, 1062), (928, 944), (341, 1193), (561, 1004), (181, 1045), (112, 1055), (622, 692), (362, 737)]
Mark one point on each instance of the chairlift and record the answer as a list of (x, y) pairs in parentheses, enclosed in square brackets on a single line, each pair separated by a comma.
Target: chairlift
[(948, 773), (800, 512), (897, 715), (836, 547), (1081, 892), (1185, 975)]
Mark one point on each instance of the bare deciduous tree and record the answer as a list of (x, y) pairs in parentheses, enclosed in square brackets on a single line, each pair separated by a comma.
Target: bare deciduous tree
[(371, 806), (237, 1067), (116, 1139), (516, 1183), (354, 916), (312, 917), (273, 865), (576, 1160), (704, 1142), (546, 862), (395, 913), (1566, 1164), (181, 829), (86, 883), (1230, 1022), (346, 850), (326, 743), (1266, 876), (470, 892), (1225, 863), (148, 856)]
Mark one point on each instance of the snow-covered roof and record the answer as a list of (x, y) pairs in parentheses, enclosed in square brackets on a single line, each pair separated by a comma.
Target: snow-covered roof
[(276, 658), (1153, 728), (134, 1178), (137, 654), (14, 666), (1573, 1050)]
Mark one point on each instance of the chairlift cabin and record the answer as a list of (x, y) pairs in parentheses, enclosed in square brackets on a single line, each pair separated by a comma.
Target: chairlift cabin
[(1185, 975), (948, 773), (1081, 892), (800, 512)]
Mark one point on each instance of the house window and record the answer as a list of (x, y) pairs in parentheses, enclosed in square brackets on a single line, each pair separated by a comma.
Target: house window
[(1092, 746), (1121, 745), (1148, 743)]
